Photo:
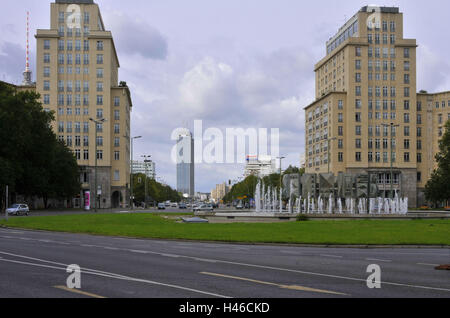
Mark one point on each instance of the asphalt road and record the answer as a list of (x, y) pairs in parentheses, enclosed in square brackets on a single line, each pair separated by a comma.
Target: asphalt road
[(33, 264)]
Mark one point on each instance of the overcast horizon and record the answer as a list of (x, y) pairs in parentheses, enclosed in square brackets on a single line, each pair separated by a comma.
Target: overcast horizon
[(231, 63)]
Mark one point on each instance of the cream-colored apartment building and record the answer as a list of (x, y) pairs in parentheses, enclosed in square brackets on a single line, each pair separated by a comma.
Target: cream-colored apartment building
[(367, 110), (77, 78)]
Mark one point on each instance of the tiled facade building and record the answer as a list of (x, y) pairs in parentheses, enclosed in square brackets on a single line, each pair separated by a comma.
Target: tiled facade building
[(367, 111), (77, 78)]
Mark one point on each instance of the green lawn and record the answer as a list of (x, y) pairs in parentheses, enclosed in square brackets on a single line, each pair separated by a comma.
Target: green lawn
[(406, 232)]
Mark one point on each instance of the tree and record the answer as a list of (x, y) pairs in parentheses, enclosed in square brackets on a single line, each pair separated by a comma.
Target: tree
[(32, 161), (437, 188), (155, 190)]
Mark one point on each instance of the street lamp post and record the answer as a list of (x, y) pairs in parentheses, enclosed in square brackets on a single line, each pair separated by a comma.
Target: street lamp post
[(391, 168), (131, 175), (281, 187), (146, 161), (97, 122)]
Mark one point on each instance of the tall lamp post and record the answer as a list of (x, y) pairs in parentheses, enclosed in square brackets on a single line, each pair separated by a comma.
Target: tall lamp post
[(391, 168), (281, 187), (131, 175), (97, 124), (146, 162)]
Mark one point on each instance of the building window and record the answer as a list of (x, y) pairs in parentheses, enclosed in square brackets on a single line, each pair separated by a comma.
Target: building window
[(419, 158), (46, 44), (99, 99), (99, 45), (358, 156), (341, 157), (116, 175), (46, 99), (99, 141), (99, 113), (116, 115), (116, 142), (406, 157), (99, 154), (99, 58), (116, 101), (46, 71), (116, 155), (99, 86), (86, 154), (116, 128), (99, 73), (358, 130)]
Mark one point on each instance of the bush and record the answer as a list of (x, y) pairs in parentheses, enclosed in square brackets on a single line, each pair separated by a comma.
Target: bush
[(302, 218)]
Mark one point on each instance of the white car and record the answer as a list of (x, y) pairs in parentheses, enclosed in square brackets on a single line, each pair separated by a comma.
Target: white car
[(17, 209)]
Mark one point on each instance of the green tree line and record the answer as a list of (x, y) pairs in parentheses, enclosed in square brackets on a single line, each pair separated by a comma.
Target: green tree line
[(437, 189), (246, 188), (33, 162), (156, 192)]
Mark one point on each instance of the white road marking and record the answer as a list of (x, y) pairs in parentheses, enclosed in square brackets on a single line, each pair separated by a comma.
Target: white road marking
[(139, 251), (114, 276), (111, 248), (378, 260), (335, 256), (169, 255), (426, 264)]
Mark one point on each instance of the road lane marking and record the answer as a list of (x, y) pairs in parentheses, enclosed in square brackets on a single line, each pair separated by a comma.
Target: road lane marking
[(111, 248), (426, 264), (378, 260), (107, 275), (335, 256), (292, 287), (77, 291), (205, 260), (138, 251)]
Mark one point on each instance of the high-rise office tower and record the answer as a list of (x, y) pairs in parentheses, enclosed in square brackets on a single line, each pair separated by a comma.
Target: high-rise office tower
[(77, 77), (365, 116), (185, 163)]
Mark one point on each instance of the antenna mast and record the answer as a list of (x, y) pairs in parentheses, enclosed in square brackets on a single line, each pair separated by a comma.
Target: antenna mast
[(27, 74)]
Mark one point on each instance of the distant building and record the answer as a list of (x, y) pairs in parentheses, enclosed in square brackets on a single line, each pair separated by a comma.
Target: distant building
[(219, 192), (185, 164), (203, 196), (260, 166), (147, 168)]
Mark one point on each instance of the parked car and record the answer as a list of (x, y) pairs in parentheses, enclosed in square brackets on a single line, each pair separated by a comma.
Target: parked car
[(175, 205), (203, 207), (161, 206), (182, 206), (17, 209)]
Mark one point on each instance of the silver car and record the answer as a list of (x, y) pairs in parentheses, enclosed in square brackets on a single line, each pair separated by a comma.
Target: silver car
[(17, 209), (203, 207)]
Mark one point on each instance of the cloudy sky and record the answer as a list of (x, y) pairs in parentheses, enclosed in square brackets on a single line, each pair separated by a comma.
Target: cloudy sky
[(229, 63)]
